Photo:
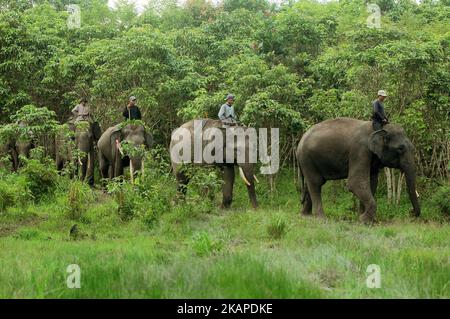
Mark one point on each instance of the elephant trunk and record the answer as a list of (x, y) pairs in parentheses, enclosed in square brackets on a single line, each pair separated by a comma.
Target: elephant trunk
[(410, 175)]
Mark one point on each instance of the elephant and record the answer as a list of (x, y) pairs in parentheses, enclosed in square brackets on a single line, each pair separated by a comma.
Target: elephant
[(86, 134), (16, 148), (63, 154), (349, 148), (8, 149), (109, 148), (246, 168)]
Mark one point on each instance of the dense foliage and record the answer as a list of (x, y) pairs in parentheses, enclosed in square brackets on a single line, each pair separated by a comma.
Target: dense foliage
[(289, 66)]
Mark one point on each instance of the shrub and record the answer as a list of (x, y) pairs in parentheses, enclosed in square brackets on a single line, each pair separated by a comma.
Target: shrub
[(41, 178), (7, 198), (79, 196), (125, 196), (441, 200), (13, 191)]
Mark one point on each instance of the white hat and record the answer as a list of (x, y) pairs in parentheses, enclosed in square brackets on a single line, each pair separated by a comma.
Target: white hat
[(382, 93)]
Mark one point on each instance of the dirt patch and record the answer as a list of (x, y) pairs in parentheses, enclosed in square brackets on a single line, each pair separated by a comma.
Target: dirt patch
[(10, 227)]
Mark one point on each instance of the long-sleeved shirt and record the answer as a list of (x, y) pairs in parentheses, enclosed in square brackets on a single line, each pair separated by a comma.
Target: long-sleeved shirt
[(81, 112), (132, 113), (378, 114), (226, 114)]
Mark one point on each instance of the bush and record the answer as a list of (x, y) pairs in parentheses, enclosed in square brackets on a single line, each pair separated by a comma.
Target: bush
[(13, 191), (441, 200), (6, 197), (41, 178), (79, 196), (125, 196)]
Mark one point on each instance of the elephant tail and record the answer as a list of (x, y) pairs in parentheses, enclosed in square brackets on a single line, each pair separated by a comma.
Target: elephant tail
[(301, 185)]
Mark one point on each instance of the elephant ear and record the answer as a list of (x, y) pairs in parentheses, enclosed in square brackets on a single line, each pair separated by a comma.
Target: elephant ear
[(148, 140), (376, 142)]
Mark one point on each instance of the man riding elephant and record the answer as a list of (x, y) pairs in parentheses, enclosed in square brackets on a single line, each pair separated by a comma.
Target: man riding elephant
[(226, 113), (82, 111), (112, 157), (205, 142), (349, 148), (86, 133), (379, 118)]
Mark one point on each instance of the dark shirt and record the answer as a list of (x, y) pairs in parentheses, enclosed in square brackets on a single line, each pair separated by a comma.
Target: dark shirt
[(378, 114), (132, 113)]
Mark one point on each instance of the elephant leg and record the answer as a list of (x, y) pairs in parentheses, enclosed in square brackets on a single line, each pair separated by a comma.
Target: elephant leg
[(183, 181), (373, 189), (227, 189), (315, 191), (104, 167), (83, 168), (110, 172), (15, 160), (252, 195), (314, 182), (306, 202), (90, 169), (362, 190), (59, 164)]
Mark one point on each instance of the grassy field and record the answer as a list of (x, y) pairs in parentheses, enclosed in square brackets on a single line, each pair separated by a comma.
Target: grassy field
[(196, 250)]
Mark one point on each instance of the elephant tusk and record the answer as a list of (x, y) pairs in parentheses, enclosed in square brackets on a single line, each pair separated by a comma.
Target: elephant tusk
[(79, 161), (241, 173), (256, 178), (118, 147), (417, 193), (131, 172)]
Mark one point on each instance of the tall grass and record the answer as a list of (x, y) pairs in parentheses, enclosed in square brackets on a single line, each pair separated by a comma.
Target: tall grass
[(193, 249)]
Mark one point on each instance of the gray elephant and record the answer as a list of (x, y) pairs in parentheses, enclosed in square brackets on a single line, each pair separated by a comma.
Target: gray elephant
[(63, 150), (8, 149), (246, 169), (85, 136), (16, 148), (111, 160), (349, 148)]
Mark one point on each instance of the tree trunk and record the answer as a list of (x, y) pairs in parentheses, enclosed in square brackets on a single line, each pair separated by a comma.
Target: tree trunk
[(387, 171)]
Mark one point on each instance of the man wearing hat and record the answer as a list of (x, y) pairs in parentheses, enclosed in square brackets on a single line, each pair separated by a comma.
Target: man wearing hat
[(226, 113), (378, 116), (82, 112), (132, 111)]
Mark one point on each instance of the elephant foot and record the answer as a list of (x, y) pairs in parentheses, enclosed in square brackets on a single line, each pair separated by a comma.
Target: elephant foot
[(223, 206), (367, 219), (226, 203), (305, 212), (321, 215)]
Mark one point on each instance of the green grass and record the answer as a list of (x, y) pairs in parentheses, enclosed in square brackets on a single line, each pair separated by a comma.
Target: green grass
[(238, 253)]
